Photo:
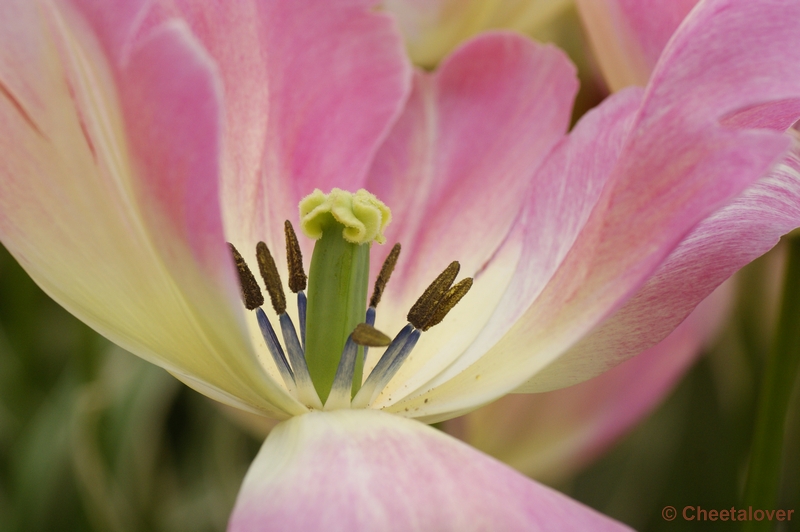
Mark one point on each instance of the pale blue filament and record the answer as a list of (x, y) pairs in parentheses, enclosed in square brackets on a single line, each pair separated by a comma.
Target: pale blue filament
[(343, 380), (271, 339), (302, 303), (296, 354), (377, 380)]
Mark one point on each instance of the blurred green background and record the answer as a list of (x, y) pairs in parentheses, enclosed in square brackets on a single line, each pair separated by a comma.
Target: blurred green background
[(94, 439)]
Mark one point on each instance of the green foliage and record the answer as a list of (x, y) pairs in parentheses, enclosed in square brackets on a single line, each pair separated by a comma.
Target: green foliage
[(95, 439)]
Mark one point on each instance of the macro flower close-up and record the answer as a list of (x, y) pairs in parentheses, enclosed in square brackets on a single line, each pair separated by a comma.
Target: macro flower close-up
[(270, 202)]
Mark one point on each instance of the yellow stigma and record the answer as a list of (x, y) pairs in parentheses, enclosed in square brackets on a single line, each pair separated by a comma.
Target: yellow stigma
[(363, 216)]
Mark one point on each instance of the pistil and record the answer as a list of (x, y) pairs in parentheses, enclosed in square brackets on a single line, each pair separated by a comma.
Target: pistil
[(325, 363), (344, 225)]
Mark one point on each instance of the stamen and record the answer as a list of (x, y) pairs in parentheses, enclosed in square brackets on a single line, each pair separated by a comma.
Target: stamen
[(271, 339), (305, 388), (367, 335), (450, 299), (251, 293), (426, 305), (364, 395), (343, 381), (297, 276), (341, 391), (394, 367), (369, 319), (384, 275), (269, 272), (302, 304), (434, 304)]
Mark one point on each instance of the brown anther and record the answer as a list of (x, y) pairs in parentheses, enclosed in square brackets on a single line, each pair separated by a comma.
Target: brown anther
[(450, 299), (272, 279), (251, 293), (426, 305), (384, 275), (367, 335), (297, 276)]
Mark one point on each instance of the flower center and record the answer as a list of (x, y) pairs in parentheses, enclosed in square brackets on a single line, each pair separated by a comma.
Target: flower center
[(325, 363)]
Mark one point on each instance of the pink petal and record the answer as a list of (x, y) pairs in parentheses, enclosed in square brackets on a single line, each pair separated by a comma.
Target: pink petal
[(285, 131), (668, 181), (174, 131), (455, 171), (628, 36), (311, 87), (753, 92), (366, 470), (719, 246), (464, 146), (677, 166), (110, 198), (561, 197), (550, 436)]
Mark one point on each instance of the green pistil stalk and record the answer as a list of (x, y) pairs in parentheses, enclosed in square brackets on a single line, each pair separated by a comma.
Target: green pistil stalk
[(345, 225), (337, 302), (780, 376)]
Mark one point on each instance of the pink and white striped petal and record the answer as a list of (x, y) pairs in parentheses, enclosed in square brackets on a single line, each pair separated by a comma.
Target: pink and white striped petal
[(628, 36), (714, 250), (122, 231), (365, 470)]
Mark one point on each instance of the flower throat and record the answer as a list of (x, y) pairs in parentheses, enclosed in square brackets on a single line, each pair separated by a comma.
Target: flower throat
[(325, 362)]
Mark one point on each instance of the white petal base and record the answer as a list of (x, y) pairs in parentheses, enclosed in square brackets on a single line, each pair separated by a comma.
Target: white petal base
[(353, 470)]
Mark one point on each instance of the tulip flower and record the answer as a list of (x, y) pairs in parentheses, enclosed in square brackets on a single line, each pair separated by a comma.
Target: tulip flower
[(155, 151)]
